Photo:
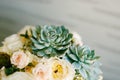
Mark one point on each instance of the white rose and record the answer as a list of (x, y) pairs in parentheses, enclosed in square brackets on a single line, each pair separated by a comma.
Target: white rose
[(77, 39), (40, 71), (18, 76), (60, 70), (12, 43), (20, 59)]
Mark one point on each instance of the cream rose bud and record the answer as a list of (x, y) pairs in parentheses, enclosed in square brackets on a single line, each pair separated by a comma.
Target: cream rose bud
[(12, 43), (20, 59), (40, 71), (60, 70), (77, 39)]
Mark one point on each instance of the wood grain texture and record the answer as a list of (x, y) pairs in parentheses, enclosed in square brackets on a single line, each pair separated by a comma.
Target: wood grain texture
[(97, 21)]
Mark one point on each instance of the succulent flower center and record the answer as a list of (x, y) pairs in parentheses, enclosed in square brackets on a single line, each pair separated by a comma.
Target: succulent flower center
[(52, 35)]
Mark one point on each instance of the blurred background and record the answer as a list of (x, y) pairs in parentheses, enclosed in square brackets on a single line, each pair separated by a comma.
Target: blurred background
[(97, 21)]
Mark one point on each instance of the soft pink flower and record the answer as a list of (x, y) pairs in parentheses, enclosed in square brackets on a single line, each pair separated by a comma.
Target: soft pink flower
[(40, 71), (20, 59)]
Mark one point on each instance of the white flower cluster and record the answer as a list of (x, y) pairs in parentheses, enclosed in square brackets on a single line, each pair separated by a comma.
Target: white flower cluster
[(46, 69)]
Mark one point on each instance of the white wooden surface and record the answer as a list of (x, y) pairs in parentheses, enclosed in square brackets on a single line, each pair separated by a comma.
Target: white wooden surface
[(97, 21)]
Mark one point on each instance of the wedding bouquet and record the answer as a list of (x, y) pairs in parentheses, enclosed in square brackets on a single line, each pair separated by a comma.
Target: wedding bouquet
[(47, 53)]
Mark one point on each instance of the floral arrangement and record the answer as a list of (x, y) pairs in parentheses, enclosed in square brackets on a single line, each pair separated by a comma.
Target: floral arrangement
[(47, 53)]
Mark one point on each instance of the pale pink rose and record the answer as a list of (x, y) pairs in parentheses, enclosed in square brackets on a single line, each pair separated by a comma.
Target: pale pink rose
[(20, 59), (77, 39), (40, 72)]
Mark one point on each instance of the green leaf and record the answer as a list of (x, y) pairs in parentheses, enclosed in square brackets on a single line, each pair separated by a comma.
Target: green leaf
[(4, 60), (25, 35), (40, 53), (38, 46), (83, 73), (73, 57), (34, 34), (97, 57), (10, 70), (76, 65), (34, 40)]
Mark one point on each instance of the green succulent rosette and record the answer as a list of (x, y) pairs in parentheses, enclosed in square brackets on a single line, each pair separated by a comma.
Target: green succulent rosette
[(49, 41), (84, 61)]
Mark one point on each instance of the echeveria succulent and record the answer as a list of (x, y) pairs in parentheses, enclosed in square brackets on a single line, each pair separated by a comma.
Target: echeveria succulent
[(50, 41), (84, 61)]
